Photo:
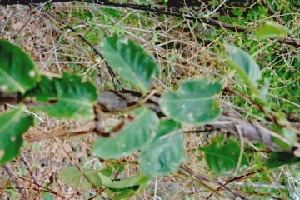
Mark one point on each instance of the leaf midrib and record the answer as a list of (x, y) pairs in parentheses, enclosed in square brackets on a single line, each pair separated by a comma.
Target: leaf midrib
[(127, 66)]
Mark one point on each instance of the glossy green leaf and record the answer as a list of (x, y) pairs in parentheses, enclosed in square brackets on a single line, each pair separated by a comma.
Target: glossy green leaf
[(165, 153), (130, 138), (17, 71), (194, 102), (68, 96), (14, 123), (244, 64), (130, 61), (278, 159), (271, 30), (85, 179), (222, 159)]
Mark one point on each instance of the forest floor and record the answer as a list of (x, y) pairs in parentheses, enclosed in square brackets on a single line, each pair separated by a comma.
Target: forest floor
[(183, 49)]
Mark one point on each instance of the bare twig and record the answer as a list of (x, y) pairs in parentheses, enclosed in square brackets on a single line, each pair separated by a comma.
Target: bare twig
[(158, 11), (204, 179), (15, 181)]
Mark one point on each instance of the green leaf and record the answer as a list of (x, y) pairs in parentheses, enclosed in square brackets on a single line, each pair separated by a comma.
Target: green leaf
[(278, 159), (165, 153), (271, 30), (194, 102), (85, 179), (245, 66), (17, 71), (222, 159), (130, 61), (126, 187), (125, 182), (167, 126), (124, 193), (73, 98), (47, 196), (14, 123), (130, 138)]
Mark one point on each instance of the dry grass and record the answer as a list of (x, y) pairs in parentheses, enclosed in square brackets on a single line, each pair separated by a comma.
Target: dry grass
[(56, 49)]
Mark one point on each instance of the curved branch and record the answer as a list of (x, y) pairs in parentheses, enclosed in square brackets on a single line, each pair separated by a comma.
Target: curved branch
[(146, 8), (158, 11)]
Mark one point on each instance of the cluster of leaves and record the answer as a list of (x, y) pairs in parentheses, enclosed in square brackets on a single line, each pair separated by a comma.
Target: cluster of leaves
[(159, 141)]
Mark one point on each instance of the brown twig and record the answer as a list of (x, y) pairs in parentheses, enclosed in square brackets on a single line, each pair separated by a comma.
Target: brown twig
[(43, 189), (274, 118), (238, 178), (95, 50), (271, 11), (204, 179), (98, 190), (158, 11), (15, 181), (146, 8)]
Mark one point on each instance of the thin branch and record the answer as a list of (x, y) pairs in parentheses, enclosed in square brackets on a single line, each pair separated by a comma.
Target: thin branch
[(262, 109), (158, 11), (272, 12), (15, 181), (95, 50), (238, 178), (146, 8), (203, 179), (111, 101)]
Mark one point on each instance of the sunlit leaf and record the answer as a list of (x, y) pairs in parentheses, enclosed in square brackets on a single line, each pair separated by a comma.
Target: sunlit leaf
[(130, 61), (165, 153), (85, 179), (277, 159), (17, 71), (68, 96), (222, 159), (271, 30), (130, 138), (13, 124), (194, 102), (244, 64)]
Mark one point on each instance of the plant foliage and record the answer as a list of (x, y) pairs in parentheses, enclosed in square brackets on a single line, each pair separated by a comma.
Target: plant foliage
[(194, 102), (14, 123), (73, 98), (17, 71), (130, 138), (130, 61)]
